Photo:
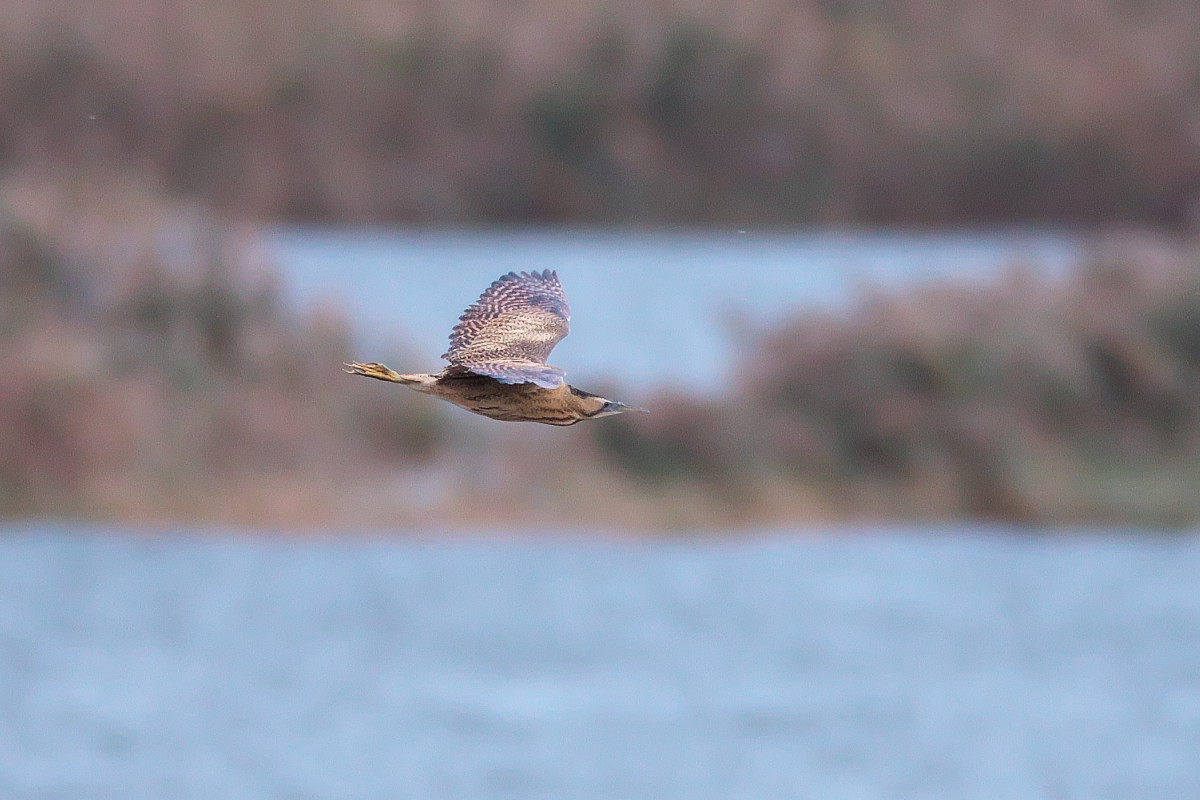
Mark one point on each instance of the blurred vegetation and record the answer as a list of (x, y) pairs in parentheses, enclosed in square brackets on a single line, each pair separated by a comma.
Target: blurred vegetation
[(1029, 399), (818, 111), (152, 373)]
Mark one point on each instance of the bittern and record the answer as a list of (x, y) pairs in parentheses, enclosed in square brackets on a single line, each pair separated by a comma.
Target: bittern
[(498, 353)]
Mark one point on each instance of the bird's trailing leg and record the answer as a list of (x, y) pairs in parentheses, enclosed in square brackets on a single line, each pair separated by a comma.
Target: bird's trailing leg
[(374, 370), (419, 381)]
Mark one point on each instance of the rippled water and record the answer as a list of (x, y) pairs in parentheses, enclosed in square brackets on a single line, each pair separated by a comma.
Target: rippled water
[(984, 665)]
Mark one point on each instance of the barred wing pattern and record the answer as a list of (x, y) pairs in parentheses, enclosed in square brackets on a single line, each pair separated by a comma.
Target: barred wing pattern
[(510, 331)]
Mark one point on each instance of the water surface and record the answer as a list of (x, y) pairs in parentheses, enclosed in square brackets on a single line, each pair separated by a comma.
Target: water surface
[(986, 664)]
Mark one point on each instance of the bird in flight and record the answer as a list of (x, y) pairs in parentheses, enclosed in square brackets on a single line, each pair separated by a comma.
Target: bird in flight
[(498, 353)]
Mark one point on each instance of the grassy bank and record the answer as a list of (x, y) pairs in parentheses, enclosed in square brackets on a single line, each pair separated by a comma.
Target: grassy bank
[(152, 373), (1027, 399)]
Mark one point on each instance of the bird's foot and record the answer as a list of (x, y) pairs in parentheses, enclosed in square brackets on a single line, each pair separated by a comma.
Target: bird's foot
[(373, 370)]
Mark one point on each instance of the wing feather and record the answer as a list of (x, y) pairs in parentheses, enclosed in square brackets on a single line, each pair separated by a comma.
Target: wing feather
[(518, 372), (512, 328)]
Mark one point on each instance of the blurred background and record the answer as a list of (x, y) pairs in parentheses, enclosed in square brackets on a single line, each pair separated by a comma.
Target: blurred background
[(911, 287)]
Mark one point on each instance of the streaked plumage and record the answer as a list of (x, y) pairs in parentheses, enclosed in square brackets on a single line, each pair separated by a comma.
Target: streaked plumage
[(498, 353)]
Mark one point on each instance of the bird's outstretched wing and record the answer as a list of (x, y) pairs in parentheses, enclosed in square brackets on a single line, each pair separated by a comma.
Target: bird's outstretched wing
[(512, 371), (510, 330)]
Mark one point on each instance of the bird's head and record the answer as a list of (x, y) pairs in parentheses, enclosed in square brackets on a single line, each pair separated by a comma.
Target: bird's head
[(592, 406)]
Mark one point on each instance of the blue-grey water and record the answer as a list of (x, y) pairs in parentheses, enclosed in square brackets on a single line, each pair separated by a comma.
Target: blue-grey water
[(989, 664), (649, 308)]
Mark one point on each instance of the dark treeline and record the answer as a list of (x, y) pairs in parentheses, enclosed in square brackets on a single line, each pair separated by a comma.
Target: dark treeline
[(819, 111), (160, 379)]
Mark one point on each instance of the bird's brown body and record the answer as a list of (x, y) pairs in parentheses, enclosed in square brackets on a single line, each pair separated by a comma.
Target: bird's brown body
[(488, 397), (498, 355)]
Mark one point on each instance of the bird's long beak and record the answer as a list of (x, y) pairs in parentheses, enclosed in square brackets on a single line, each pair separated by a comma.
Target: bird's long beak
[(617, 407)]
